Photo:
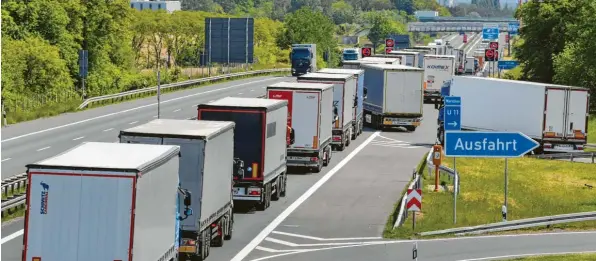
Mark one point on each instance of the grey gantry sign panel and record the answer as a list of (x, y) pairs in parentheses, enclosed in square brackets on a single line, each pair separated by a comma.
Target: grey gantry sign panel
[(229, 40), (451, 27)]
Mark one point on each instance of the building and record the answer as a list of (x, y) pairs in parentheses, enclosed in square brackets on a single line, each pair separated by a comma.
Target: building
[(169, 6)]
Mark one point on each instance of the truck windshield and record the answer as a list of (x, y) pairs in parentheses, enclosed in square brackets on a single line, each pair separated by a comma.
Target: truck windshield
[(301, 53), (350, 56)]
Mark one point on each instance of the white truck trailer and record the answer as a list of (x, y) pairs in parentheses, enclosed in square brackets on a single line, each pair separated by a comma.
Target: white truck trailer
[(469, 68), (411, 58), (205, 148), (370, 60), (554, 115), (259, 141), (104, 201), (358, 123), (310, 118), (438, 70), (344, 90), (394, 96)]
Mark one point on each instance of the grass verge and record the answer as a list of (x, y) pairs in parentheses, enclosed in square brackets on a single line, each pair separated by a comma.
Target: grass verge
[(17, 213), (71, 106), (19, 191), (536, 188), (592, 129), (568, 257)]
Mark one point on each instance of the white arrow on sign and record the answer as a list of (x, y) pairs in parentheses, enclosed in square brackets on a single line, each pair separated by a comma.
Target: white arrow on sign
[(454, 124)]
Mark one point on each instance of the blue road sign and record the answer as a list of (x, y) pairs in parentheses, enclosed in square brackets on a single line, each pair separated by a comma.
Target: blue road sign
[(452, 113), (513, 28), (473, 144), (490, 33), (83, 63), (507, 65), (462, 33)]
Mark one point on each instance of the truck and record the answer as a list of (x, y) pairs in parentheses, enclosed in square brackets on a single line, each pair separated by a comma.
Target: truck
[(394, 96), (105, 201), (358, 123), (411, 58), (344, 102), (303, 58), (351, 54), (470, 66), (366, 60), (401, 41), (556, 116), (438, 69), (260, 138), (206, 170), (310, 116)]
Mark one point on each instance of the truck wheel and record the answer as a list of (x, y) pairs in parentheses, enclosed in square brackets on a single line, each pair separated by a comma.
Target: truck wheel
[(203, 251), (284, 185), (318, 168), (261, 206), (218, 241), (326, 158), (354, 132), (276, 196), (348, 141), (208, 244), (230, 226)]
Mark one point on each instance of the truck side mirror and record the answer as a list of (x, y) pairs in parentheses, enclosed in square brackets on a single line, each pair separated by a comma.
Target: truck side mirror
[(187, 198), (365, 92)]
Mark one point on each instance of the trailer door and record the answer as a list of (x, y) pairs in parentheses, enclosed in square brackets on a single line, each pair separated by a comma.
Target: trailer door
[(576, 114), (306, 119), (554, 116)]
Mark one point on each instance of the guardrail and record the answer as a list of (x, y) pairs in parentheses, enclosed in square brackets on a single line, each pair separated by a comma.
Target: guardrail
[(402, 214), (444, 169), (516, 224), (175, 85), (13, 192), (569, 156)]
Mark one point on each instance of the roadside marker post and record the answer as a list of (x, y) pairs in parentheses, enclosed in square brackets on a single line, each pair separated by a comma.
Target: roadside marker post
[(414, 203), (452, 122), (415, 251), (468, 144), (437, 157)]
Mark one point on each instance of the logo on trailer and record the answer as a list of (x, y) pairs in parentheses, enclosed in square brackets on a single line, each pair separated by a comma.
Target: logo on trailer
[(45, 190), (438, 67)]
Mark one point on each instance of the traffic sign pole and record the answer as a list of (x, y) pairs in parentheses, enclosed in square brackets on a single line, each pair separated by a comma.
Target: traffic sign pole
[(506, 190), (455, 188)]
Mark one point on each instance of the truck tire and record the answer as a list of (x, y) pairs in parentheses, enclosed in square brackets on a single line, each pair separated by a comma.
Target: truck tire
[(262, 206), (230, 226), (219, 241), (325, 158), (348, 141), (355, 132), (284, 186), (202, 255), (276, 195), (208, 243), (318, 168)]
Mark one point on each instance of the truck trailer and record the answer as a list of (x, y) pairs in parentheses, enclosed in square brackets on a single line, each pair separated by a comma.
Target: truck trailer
[(370, 60), (394, 96), (303, 58), (310, 117), (411, 58), (438, 70), (205, 148), (358, 123), (104, 201), (259, 141), (554, 115), (344, 98)]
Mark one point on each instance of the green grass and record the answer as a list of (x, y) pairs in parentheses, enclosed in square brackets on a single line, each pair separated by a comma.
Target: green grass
[(17, 213), (536, 188), (10, 193), (570, 257), (592, 129), (71, 106)]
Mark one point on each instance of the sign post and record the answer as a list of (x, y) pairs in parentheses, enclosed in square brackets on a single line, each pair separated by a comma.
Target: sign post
[(414, 203), (453, 123), (437, 157), (415, 251), (83, 70), (469, 144)]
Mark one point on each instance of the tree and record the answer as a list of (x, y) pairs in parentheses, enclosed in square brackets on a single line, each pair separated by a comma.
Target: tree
[(381, 28), (405, 5), (342, 12)]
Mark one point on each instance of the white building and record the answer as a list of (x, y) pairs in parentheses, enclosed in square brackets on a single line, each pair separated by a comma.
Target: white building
[(169, 6)]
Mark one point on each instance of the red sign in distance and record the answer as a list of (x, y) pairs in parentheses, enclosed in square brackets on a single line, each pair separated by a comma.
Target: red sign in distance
[(507, 38), (489, 53), (388, 50), (494, 45), (366, 52), (389, 42), (283, 95)]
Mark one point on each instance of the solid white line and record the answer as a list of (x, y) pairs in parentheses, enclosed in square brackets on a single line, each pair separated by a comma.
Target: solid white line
[(383, 137), (177, 110), (79, 138), (6, 159), (44, 148), (133, 122), (133, 109), (108, 129), (291, 244), (267, 230), (155, 116), (239, 93), (525, 255), (271, 250), (282, 242), (308, 250), (324, 239), (12, 236), (252, 90)]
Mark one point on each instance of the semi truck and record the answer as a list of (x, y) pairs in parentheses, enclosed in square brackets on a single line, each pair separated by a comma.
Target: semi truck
[(344, 97), (554, 115), (358, 123), (310, 116), (303, 58), (351, 54), (105, 201), (394, 96), (368, 60), (470, 67), (411, 58), (438, 69), (259, 141), (206, 170)]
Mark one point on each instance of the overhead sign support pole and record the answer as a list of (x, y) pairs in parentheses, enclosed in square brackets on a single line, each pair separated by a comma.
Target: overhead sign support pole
[(228, 64)]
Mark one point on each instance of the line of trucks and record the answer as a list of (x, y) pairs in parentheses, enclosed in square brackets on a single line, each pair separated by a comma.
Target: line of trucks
[(168, 189)]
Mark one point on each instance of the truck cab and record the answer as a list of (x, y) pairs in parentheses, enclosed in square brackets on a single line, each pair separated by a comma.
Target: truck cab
[(350, 54), (303, 58)]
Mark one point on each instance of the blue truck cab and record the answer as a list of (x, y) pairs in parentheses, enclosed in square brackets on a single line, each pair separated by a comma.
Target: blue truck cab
[(303, 58)]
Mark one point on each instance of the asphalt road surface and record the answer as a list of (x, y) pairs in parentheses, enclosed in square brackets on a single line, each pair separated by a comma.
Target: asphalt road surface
[(36, 140)]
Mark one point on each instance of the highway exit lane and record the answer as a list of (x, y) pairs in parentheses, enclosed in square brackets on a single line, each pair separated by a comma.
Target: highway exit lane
[(19, 150)]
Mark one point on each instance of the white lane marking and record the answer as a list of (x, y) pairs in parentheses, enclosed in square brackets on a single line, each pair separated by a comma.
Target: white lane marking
[(281, 242), (292, 244), (267, 230), (133, 109), (44, 148), (239, 93), (271, 250), (252, 90), (133, 122), (525, 255), (108, 129), (210, 101), (79, 138), (324, 239), (177, 110), (155, 116), (12, 236), (6, 159)]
